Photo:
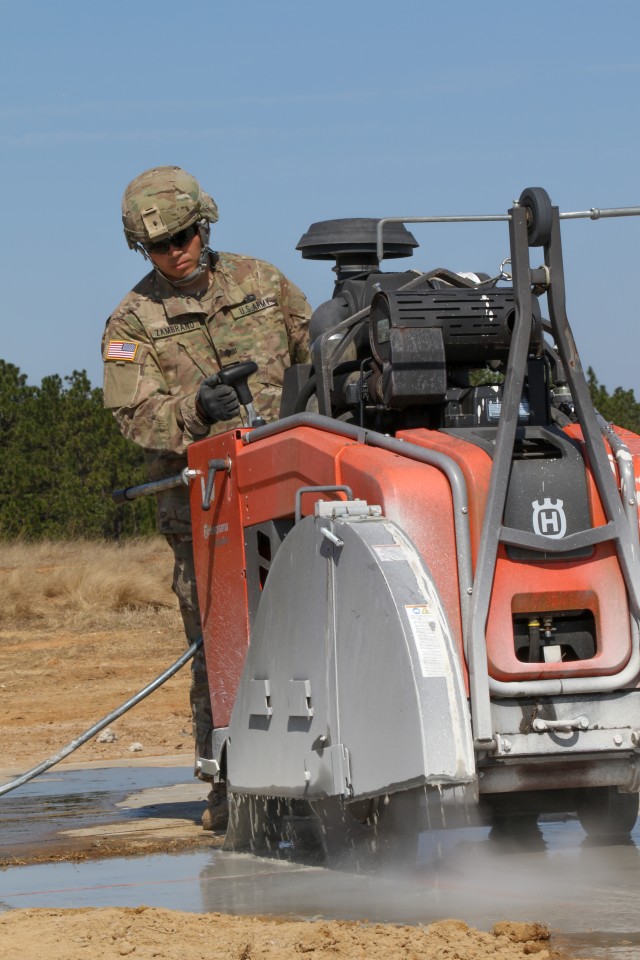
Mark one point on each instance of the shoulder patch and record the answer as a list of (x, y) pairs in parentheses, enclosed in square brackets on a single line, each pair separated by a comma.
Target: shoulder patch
[(121, 350)]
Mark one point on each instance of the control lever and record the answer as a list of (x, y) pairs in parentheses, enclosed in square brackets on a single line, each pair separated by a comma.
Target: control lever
[(237, 375)]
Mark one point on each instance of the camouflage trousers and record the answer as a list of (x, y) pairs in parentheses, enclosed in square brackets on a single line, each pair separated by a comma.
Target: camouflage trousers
[(184, 587)]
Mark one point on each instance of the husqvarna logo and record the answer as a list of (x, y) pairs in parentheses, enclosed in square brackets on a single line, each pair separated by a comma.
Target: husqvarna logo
[(549, 519)]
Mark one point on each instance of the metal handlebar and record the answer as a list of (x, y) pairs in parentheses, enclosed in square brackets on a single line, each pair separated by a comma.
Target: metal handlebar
[(153, 486), (593, 214)]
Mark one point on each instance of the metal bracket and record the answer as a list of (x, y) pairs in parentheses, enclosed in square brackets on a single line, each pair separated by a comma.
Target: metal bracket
[(153, 222), (209, 767), (299, 699), (503, 745), (564, 726), (329, 770), (260, 698), (496, 746), (333, 488), (344, 509), (540, 278), (208, 491)]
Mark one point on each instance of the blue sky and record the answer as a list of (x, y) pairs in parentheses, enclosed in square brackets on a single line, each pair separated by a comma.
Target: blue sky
[(291, 112)]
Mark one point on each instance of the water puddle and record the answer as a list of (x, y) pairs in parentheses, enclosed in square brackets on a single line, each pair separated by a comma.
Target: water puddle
[(587, 894), (33, 816)]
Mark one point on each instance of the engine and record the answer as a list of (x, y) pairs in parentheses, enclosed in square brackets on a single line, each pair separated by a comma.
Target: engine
[(393, 350)]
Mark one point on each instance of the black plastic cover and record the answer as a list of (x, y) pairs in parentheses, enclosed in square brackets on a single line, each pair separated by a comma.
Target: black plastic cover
[(330, 239), (476, 323)]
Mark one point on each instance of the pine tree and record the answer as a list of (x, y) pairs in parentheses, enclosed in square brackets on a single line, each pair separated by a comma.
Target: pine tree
[(620, 407), (61, 455)]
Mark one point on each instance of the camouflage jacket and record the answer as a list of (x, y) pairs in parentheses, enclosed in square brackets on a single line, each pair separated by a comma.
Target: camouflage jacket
[(159, 345)]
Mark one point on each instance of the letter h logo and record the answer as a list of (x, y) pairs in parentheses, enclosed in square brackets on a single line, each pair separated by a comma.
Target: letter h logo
[(549, 518)]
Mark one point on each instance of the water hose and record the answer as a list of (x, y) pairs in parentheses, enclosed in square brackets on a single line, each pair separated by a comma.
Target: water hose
[(101, 724)]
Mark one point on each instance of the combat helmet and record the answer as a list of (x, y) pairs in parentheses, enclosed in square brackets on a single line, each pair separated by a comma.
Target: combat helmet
[(162, 201)]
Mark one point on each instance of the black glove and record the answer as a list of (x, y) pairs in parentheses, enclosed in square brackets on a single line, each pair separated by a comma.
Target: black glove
[(216, 401)]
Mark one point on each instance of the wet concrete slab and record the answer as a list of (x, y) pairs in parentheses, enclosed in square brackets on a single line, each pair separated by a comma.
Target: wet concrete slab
[(593, 908), (70, 810), (587, 893)]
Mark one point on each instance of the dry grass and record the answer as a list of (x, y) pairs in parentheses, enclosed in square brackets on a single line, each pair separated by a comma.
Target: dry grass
[(86, 584)]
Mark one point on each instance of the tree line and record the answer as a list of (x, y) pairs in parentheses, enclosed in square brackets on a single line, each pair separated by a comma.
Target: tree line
[(61, 455)]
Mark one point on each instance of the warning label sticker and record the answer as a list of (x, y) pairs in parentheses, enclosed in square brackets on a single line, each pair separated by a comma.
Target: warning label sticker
[(428, 638), (389, 551)]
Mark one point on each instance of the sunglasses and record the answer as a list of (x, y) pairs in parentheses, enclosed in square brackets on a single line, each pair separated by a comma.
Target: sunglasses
[(178, 240)]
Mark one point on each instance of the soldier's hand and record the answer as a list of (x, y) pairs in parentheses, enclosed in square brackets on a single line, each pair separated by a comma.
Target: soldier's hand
[(216, 401)]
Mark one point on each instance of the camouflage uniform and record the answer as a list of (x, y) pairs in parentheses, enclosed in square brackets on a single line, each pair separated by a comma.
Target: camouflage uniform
[(158, 346)]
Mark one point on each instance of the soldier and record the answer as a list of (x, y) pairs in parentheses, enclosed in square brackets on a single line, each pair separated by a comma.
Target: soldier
[(196, 311)]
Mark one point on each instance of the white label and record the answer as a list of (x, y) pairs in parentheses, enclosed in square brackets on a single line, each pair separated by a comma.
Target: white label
[(389, 551), (428, 638)]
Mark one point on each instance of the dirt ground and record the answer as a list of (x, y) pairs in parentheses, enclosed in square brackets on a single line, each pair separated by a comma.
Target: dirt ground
[(56, 683), (144, 932)]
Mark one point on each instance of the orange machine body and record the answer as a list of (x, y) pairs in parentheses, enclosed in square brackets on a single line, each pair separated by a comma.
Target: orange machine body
[(261, 486)]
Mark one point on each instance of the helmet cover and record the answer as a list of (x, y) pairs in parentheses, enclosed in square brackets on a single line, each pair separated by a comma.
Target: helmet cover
[(162, 201)]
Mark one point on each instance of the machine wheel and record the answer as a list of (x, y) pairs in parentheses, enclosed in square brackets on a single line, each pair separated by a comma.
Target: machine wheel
[(539, 215), (606, 812), (518, 832)]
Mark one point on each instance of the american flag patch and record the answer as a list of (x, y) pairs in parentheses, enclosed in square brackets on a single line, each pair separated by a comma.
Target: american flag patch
[(121, 350)]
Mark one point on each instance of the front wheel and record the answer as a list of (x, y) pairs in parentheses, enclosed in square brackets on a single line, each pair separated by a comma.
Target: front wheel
[(517, 832), (606, 812)]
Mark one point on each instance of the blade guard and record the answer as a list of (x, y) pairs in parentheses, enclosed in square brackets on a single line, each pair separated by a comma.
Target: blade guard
[(352, 685)]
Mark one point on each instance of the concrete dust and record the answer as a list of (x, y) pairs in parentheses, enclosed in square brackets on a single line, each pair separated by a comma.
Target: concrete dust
[(145, 932)]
